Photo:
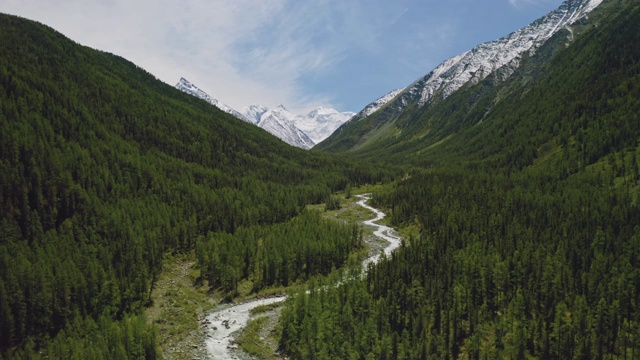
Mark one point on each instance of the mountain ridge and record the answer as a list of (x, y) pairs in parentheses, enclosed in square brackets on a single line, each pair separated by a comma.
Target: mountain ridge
[(321, 122), (502, 55), (277, 122), (499, 58), (189, 88)]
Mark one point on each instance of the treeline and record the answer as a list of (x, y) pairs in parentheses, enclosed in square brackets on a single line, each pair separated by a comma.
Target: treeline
[(104, 168), (277, 254), (504, 267)]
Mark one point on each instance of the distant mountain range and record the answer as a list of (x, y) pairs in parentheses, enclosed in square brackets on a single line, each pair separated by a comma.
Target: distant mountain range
[(302, 131), (278, 122)]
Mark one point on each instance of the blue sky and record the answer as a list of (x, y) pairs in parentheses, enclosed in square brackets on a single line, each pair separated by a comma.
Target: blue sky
[(300, 53)]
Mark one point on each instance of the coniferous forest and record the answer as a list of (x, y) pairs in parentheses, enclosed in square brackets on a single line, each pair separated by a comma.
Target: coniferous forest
[(522, 199), (103, 169)]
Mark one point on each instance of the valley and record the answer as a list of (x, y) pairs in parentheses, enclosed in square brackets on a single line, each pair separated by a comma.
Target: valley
[(141, 220)]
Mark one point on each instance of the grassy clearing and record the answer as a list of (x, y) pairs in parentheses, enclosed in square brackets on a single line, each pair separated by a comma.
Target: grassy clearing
[(264, 308), (349, 211), (178, 302), (259, 337)]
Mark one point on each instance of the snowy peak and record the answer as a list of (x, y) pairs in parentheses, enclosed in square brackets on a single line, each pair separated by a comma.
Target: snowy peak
[(271, 120), (278, 121), (317, 125), (254, 112), (185, 86), (502, 56), (499, 58), (281, 113), (321, 122), (302, 131), (376, 105)]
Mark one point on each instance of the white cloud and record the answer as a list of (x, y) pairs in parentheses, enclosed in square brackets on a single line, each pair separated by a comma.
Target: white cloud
[(298, 53), (203, 41)]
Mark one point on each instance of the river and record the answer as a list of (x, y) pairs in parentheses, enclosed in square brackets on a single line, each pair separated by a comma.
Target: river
[(222, 323)]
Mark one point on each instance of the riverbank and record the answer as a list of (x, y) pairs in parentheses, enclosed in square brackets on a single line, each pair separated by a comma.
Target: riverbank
[(221, 342), (178, 303)]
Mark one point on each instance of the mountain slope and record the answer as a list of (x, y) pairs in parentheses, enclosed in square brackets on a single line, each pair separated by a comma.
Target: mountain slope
[(499, 58), (103, 169), (477, 122), (342, 139)]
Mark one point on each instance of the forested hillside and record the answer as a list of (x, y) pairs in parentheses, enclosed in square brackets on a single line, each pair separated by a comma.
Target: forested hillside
[(103, 168), (528, 216)]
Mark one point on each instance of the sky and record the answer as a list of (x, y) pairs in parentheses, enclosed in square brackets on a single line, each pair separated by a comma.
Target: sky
[(300, 53)]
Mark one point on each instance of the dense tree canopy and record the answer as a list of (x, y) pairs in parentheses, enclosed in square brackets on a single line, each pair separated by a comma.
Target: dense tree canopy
[(103, 168)]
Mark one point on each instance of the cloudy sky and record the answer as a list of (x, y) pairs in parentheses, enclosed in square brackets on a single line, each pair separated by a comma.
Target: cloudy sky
[(300, 53)]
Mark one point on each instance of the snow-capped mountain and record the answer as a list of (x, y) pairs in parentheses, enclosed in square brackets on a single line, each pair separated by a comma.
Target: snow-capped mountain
[(374, 106), (501, 57), (321, 122), (316, 125), (278, 122), (186, 86), (254, 112), (303, 131)]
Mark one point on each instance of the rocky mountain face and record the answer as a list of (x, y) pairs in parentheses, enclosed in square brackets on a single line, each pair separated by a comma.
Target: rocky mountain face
[(376, 105)]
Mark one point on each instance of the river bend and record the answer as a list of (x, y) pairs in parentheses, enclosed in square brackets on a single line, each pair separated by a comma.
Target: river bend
[(224, 322)]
